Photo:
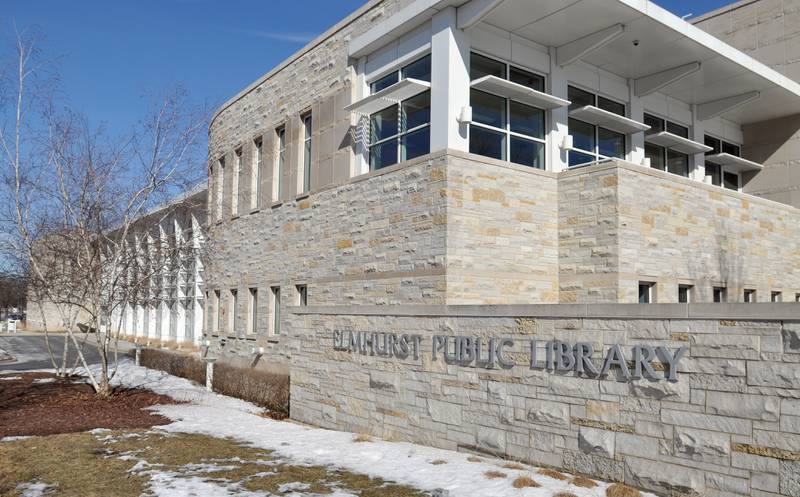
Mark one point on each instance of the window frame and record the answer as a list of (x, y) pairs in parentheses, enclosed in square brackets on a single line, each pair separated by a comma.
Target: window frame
[(689, 289), (220, 197), (750, 296), (233, 303), (723, 294), (596, 155), (252, 304), (255, 172), (650, 296), (506, 130), (307, 122), (235, 183), (302, 295), (280, 163), (275, 311), (776, 296), (721, 142), (665, 151), (399, 134)]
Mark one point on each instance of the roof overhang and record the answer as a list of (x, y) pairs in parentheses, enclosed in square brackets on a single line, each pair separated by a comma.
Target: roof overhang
[(665, 54)]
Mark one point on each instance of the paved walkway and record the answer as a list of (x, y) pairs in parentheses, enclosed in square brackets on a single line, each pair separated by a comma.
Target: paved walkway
[(29, 350)]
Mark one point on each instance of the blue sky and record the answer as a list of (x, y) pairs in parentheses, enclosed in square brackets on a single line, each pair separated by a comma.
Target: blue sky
[(112, 53)]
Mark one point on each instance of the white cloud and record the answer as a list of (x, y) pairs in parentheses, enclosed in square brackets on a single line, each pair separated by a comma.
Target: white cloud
[(277, 36)]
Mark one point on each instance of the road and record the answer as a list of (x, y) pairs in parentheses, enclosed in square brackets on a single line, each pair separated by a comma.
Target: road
[(30, 352)]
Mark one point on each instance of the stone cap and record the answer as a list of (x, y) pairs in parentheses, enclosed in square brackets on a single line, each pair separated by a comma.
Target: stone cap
[(768, 311)]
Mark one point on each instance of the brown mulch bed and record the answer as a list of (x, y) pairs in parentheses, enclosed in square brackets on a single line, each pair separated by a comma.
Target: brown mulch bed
[(28, 408)]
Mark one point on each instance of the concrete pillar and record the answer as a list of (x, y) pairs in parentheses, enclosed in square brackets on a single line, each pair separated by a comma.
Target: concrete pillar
[(636, 112), (697, 163), (450, 49), (559, 118)]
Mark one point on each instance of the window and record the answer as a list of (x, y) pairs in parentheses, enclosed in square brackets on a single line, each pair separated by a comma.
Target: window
[(307, 129), (503, 128), (255, 173), (302, 295), (280, 165), (252, 325), (217, 311), (749, 296), (720, 294), (233, 305), (594, 142), (276, 310), (776, 297), (685, 293), (797, 297), (646, 292), (664, 158), (220, 187), (727, 179), (237, 169), (401, 132)]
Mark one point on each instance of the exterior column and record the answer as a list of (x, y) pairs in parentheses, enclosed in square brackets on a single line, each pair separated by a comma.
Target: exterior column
[(559, 118), (697, 161), (449, 82), (636, 147)]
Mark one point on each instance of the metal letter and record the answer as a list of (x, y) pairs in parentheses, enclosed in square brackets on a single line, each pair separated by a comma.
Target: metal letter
[(504, 342), (615, 356), (671, 361), (643, 361), (583, 359)]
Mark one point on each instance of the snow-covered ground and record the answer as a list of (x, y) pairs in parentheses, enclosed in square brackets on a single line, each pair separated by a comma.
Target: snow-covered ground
[(404, 463)]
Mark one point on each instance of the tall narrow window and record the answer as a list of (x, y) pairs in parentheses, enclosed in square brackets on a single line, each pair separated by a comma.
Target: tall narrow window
[(255, 174), (307, 130), (237, 169), (252, 325), (220, 187), (302, 295), (749, 296), (776, 297), (402, 131), (276, 310), (217, 311), (280, 165), (664, 158), (232, 307), (592, 142), (503, 128), (797, 297), (720, 294)]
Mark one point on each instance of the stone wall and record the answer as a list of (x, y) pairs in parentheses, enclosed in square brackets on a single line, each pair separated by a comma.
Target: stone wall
[(729, 425), (768, 31)]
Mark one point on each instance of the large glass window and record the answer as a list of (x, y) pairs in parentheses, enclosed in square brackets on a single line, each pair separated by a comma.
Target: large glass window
[(725, 179), (664, 158), (503, 128), (401, 132), (590, 142)]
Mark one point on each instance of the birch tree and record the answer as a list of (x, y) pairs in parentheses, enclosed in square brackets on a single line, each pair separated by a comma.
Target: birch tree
[(79, 204)]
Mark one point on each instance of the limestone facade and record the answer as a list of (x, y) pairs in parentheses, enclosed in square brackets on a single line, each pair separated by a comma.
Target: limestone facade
[(727, 425)]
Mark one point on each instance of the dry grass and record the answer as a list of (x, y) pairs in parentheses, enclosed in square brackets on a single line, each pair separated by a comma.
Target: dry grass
[(494, 475), (175, 364), (474, 459), (552, 474), (361, 438), (582, 481), (438, 462), (620, 490), (565, 494), (525, 482), (514, 465), (86, 465)]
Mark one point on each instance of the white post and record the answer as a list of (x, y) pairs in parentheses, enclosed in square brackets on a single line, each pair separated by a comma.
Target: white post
[(450, 48), (636, 147), (210, 373), (697, 163), (559, 118), (138, 356)]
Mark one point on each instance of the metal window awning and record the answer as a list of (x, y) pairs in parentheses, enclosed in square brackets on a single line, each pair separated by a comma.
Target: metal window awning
[(394, 94), (677, 143), (609, 120), (518, 93), (734, 163)]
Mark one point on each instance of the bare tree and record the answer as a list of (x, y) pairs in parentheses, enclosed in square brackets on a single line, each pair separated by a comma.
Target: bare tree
[(82, 205)]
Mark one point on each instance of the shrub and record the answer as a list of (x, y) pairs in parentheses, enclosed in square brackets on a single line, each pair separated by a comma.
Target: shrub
[(269, 390), (525, 482), (582, 481), (620, 490), (552, 474), (493, 475), (181, 365)]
